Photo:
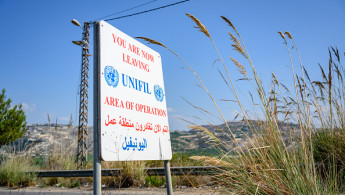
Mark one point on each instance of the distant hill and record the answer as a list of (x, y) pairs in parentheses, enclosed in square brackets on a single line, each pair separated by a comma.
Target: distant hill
[(197, 142), (44, 139)]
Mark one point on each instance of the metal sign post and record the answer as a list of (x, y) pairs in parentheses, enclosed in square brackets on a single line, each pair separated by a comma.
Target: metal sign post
[(168, 177), (96, 160)]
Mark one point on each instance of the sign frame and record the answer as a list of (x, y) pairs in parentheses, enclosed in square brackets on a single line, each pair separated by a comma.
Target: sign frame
[(133, 118), (120, 104), (97, 117)]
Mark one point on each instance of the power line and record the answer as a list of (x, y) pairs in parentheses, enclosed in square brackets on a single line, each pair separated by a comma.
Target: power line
[(125, 16), (125, 10)]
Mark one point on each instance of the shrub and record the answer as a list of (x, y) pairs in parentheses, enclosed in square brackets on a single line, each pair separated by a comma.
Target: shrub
[(329, 155), (75, 184), (14, 171), (12, 120)]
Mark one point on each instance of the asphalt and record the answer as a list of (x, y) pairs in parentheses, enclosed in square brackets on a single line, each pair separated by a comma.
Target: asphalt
[(106, 191), (42, 193), (68, 191)]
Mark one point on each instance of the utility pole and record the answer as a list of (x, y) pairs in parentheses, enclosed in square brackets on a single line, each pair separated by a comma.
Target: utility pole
[(84, 96)]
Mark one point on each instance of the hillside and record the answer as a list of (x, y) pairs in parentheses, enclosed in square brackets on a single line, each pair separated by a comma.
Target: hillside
[(44, 139), (197, 142)]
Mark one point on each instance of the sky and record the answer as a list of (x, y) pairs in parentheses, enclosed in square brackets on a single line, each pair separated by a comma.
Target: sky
[(40, 67)]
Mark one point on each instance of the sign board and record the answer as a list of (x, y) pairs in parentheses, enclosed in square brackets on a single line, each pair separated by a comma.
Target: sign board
[(133, 113)]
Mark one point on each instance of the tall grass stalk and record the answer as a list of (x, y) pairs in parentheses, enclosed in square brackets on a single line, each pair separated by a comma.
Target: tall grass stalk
[(14, 169), (270, 164)]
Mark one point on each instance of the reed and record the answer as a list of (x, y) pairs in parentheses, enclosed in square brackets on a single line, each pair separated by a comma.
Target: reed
[(270, 164)]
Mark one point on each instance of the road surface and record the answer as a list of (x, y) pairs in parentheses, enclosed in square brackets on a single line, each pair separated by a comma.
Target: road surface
[(88, 191)]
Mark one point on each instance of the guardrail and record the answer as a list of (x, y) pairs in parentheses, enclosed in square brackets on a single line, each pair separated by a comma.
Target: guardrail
[(159, 171)]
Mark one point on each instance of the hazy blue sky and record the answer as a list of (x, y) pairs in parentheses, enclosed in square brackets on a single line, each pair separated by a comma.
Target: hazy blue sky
[(40, 67)]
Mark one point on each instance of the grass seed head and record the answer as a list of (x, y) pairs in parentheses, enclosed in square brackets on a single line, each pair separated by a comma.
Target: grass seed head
[(151, 41), (237, 46), (211, 160), (288, 35), (199, 26), (275, 78), (229, 22), (242, 70), (281, 34)]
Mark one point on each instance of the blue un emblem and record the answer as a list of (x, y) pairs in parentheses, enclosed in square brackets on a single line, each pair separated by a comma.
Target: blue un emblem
[(111, 76), (159, 93)]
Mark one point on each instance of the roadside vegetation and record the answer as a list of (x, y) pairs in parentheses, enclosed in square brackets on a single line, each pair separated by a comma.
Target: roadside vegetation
[(15, 166), (311, 160), (12, 120), (13, 170)]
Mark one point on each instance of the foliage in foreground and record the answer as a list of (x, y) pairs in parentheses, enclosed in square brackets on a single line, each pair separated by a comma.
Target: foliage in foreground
[(12, 120), (14, 168), (13, 171), (134, 175), (63, 158), (310, 161), (329, 155), (270, 163)]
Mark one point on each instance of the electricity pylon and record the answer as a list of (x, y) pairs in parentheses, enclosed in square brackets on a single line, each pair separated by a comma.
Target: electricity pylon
[(84, 96)]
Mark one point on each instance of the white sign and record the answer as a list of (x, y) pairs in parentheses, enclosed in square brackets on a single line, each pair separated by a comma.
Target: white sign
[(134, 118)]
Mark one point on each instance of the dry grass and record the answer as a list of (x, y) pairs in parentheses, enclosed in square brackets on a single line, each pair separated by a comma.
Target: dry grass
[(270, 164), (13, 170)]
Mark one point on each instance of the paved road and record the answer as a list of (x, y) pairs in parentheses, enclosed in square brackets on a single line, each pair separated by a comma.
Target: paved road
[(68, 191), (41, 193), (88, 191)]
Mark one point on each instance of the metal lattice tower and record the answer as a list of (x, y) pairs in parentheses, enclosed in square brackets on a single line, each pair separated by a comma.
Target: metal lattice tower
[(84, 97)]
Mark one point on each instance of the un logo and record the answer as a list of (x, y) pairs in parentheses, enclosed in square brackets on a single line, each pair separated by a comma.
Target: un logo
[(111, 76), (158, 93)]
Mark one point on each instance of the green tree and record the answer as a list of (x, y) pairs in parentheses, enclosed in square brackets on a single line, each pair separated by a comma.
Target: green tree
[(12, 120)]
